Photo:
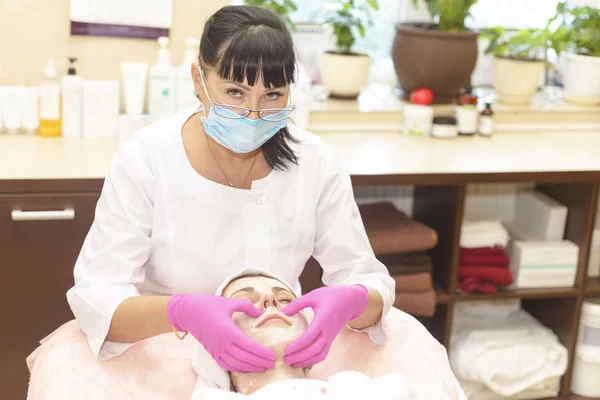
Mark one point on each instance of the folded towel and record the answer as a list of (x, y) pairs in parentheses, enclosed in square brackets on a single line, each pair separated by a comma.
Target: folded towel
[(483, 234), (475, 285), (497, 275), (483, 251), (413, 283), (417, 303), (497, 261), (391, 231), (508, 354), (407, 264), (546, 389)]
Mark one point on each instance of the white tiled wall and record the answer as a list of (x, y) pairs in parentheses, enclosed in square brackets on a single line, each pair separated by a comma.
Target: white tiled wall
[(495, 201)]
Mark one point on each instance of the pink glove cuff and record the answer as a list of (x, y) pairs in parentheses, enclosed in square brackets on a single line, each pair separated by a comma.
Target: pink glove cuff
[(363, 292), (172, 311)]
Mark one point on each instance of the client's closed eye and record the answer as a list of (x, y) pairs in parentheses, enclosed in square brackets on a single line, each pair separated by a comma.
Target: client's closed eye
[(284, 300)]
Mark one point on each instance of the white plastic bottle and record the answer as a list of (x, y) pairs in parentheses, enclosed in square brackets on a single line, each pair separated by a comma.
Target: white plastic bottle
[(161, 102), (185, 92), (71, 86)]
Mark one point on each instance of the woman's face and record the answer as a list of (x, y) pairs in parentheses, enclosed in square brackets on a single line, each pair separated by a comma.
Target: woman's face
[(273, 328), (233, 93)]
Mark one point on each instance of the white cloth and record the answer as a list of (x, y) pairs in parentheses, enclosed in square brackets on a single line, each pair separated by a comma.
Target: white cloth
[(483, 233), (346, 385), (161, 228), (549, 388), (210, 374), (508, 352)]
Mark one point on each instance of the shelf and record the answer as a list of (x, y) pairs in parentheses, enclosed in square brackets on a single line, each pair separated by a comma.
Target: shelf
[(443, 297), (592, 287), (541, 293)]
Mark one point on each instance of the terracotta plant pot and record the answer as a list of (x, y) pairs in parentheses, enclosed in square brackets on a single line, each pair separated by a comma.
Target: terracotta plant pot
[(344, 74), (427, 57), (515, 81)]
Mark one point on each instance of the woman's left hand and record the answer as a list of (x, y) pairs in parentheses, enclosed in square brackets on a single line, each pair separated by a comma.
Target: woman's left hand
[(334, 307)]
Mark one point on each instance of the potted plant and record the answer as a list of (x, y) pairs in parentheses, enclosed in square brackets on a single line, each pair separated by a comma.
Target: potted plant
[(518, 62), (282, 7), (344, 71), (439, 55), (577, 42)]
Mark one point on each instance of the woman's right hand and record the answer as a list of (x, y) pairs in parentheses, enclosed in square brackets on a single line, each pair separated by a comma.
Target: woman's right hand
[(209, 319)]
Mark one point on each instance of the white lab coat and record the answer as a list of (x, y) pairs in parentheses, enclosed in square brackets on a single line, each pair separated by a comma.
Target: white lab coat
[(161, 228)]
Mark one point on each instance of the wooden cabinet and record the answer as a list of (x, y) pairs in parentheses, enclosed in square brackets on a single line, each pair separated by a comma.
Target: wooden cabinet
[(40, 238)]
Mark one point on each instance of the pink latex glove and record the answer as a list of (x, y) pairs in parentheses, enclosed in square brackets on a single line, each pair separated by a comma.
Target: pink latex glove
[(334, 307), (208, 319)]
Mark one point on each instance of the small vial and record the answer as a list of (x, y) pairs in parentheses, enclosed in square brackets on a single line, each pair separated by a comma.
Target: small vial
[(486, 120)]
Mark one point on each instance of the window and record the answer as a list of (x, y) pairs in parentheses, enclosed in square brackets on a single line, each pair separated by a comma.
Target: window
[(513, 14)]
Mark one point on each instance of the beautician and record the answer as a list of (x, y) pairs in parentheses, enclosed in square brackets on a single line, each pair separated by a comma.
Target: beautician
[(230, 185)]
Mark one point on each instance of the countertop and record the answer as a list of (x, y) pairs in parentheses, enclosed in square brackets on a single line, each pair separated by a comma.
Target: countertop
[(364, 154)]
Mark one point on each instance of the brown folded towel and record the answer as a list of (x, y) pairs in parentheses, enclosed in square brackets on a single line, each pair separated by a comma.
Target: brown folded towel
[(413, 283), (392, 231), (407, 264), (417, 303)]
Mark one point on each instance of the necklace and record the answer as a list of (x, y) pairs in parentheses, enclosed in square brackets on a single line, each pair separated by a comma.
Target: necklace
[(229, 182)]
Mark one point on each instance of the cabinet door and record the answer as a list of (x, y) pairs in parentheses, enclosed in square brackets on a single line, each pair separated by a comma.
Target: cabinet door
[(40, 239)]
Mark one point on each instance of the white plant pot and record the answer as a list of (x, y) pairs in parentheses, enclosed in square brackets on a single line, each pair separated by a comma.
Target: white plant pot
[(581, 78), (343, 74), (516, 81)]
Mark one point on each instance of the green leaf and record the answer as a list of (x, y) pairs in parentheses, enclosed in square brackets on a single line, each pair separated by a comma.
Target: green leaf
[(361, 30), (373, 4)]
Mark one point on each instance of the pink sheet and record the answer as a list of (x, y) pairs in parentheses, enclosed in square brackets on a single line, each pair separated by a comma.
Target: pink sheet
[(63, 367)]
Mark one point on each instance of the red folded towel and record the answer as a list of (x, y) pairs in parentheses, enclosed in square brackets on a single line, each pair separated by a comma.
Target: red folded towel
[(483, 251), (473, 284), (497, 261), (497, 275)]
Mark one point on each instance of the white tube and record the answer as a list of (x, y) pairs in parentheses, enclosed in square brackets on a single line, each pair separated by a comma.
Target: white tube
[(11, 108), (134, 86), (30, 109)]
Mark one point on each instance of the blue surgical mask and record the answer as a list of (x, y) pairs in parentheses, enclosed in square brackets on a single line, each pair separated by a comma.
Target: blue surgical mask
[(240, 135)]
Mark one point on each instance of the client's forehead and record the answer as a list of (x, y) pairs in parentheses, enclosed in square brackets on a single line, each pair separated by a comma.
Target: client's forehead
[(261, 284)]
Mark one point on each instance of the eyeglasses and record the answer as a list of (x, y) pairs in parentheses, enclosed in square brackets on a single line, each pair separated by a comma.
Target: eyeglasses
[(237, 112)]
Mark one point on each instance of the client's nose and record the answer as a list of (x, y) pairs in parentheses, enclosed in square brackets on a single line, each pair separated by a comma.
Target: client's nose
[(268, 300)]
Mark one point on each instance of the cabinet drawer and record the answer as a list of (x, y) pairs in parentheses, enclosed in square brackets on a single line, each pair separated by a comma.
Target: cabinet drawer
[(40, 239)]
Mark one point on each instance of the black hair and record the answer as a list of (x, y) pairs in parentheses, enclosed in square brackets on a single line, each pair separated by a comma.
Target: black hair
[(246, 42)]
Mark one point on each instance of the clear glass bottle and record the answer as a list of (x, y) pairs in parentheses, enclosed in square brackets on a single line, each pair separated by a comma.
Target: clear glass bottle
[(50, 103)]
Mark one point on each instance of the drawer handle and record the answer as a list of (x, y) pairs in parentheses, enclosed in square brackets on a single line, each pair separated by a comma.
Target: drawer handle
[(57, 215)]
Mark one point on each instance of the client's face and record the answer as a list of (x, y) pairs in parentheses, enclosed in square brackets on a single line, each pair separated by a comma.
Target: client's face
[(272, 329)]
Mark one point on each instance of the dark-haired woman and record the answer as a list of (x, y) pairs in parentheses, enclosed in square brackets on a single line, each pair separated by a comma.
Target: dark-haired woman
[(230, 185)]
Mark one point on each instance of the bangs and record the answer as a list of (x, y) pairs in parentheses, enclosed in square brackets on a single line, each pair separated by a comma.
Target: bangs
[(259, 52)]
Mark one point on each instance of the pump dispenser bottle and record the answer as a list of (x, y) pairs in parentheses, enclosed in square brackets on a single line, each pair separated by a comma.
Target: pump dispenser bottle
[(72, 101), (161, 102), (186, 94), (50, 103)]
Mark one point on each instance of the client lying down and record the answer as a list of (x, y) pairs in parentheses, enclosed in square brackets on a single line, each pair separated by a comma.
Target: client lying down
[(276, 330)]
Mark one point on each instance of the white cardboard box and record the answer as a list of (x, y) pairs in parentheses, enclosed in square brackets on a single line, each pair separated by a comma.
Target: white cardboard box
[(537, 264), (540, 216)]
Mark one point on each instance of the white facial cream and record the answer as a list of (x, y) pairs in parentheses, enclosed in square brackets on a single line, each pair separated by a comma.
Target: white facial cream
[(30, 109), (134, 86), (11, 108)]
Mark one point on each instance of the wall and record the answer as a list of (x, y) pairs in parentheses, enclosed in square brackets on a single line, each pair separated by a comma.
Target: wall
[(31, 31)]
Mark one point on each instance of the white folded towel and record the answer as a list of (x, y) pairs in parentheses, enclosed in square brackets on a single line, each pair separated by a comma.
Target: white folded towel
[(546, 389), (483, 233), (507, 353)]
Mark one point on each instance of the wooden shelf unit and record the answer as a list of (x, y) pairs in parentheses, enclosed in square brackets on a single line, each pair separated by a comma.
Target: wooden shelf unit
[(439, 202)]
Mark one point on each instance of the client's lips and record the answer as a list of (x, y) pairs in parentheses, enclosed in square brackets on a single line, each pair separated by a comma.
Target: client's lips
[(273, 315)]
